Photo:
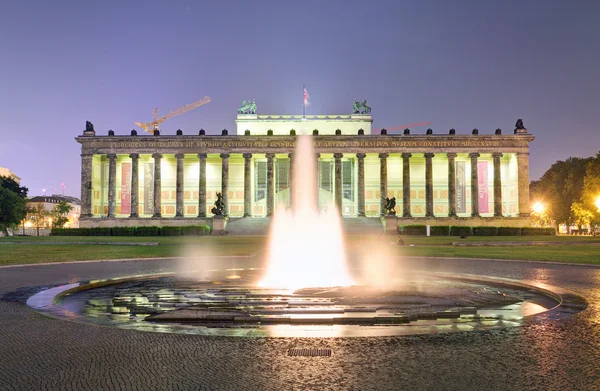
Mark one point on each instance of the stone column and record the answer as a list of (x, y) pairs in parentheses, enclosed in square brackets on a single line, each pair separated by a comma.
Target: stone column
[(135, 188), (497, 185), (202, 186), (112, 181), (451, 184), (361, 183), (382, 181), (157, 188), (429, 185), (317, 156), (179, 186), (270, 188), (338, 181), (291, 180), (523, 178), (247, 185), (474, 185), (406, 185), (86, 185), (225, 181)]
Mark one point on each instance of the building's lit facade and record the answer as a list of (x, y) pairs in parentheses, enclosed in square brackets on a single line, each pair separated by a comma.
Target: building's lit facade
[(173, 179)]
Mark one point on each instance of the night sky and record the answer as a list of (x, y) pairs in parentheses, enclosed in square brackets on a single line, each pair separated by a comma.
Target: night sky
[(460, 64)]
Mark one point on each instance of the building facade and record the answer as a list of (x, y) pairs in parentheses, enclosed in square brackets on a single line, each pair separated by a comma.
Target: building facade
[(7, 173), (444, 179)]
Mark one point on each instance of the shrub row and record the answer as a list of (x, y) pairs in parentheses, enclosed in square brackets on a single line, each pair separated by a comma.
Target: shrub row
[(445, 230), (133, 231)]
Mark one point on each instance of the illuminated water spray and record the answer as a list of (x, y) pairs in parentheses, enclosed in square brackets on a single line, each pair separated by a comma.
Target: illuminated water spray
[(306, 248)]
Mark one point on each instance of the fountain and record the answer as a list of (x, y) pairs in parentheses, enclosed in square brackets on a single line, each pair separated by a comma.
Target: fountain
[(306, 248)]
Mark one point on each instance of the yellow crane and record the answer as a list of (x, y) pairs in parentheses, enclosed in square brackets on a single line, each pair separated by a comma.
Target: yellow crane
[(150, 127)]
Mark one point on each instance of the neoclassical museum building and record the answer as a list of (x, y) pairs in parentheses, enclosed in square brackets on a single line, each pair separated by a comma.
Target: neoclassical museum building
[(445, 179)]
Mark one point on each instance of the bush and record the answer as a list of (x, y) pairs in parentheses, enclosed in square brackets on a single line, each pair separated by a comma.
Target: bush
[(171, 231), (531, 231), (485, 231), (195, 230), (69, 232), (123, 231), (461, 231), (509, 231), (412, 230), (439, 230), (99, 231), (147, 231)]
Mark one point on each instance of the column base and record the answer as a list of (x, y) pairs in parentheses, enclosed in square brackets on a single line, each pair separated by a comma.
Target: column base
[(179, 216), (134, 216), (156, 216)]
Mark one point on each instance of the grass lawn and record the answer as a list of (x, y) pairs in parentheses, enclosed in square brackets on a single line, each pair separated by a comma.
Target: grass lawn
[(25, 250)]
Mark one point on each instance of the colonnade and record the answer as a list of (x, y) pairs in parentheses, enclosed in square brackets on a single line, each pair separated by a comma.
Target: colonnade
[(523, 183)]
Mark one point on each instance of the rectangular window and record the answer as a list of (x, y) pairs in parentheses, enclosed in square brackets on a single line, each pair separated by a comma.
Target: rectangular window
[(260, 180), (325, 180), (348, 180), (283, 175)]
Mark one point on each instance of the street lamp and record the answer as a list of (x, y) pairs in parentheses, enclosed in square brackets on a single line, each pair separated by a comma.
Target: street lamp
[(598, 203), (539, 208)]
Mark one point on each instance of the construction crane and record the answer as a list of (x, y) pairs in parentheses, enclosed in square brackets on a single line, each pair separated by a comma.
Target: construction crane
[(150, 127), (402, 127)]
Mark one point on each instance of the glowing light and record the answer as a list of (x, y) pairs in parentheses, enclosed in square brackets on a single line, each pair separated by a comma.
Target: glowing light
[(306, 248), (538, 208), (598, 203)]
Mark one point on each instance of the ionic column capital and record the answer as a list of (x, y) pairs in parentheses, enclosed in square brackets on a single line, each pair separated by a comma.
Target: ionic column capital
[(224, 156), (451, 155), (179, 156), (429, 155), (247, 156), (361, 155), (384, 155), (270, 155), (497, 154), (134, 156), (111, 156), (157, 156), (406, 155), (202, 156), (338, 155), (474, 155)]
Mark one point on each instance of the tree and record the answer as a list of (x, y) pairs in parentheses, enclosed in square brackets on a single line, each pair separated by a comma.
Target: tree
[(559, 187), (37, 215), (591, 191), (60, 214), (13, 203), (12, 209)]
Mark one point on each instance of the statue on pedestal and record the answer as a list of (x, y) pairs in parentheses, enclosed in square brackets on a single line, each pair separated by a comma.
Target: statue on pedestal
[(360, 107), (247, 107), (219, 207), (390, 206), (89, 127)]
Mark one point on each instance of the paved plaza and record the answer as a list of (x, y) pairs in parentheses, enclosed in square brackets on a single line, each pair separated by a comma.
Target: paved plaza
[(39, 353)]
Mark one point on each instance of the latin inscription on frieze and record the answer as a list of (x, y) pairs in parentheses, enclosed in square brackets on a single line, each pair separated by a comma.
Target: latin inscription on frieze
[(253, 145)]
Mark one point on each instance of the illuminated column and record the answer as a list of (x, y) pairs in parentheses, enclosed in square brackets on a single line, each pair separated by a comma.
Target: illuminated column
[(338, 180), (291, 179), (382, 181), (247, 185), (134, 185), (451, 184), (270, 189), (202, 187), (112, 180), (157, 158), (361, 183), (497, 185), (317, 156), (474, 185), (86, 185), (406, 185), (225, 181), (523, 167), (429, 185), (179, 186)]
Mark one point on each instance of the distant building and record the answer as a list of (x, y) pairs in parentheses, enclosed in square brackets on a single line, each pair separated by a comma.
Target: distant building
[(49, 202), (7, 173)]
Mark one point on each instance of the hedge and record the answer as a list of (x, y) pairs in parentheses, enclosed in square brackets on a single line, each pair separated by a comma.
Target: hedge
[(133, 231), (444, 230)]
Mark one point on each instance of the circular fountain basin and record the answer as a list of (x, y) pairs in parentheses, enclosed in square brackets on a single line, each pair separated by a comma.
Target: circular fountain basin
[(232, 305)]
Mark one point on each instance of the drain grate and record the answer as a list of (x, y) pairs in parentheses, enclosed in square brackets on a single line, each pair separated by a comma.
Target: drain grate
[(306, 352)]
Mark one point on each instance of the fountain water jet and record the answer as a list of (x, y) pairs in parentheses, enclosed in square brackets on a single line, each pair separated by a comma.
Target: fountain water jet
[(306, 248)]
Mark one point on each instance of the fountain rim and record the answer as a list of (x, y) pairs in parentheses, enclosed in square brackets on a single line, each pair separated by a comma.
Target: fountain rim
[(45, 302)]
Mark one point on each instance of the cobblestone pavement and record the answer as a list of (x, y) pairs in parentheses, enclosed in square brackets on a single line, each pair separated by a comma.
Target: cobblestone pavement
[(39, 353)]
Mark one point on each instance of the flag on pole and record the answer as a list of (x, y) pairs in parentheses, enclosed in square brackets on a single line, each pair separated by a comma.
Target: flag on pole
[(305, 97)]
